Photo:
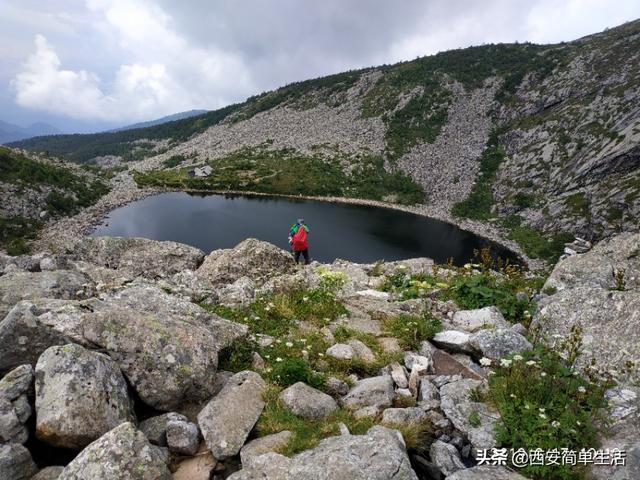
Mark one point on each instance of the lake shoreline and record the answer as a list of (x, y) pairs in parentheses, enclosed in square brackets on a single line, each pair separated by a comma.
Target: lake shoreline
[(124, 191)]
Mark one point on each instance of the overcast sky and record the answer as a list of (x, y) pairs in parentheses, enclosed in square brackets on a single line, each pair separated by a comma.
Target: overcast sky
[(90, 64)]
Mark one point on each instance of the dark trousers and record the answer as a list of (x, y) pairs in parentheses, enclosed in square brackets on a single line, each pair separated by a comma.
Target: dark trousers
[(305, 254)]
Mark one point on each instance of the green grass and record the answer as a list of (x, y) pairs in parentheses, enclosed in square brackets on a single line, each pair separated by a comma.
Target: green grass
[(277, 313), (536, 244), (173, 161), (578, 205), (478, 204), (544, 405), (289, 173), (306, 433), (506, 287), (412, 330)]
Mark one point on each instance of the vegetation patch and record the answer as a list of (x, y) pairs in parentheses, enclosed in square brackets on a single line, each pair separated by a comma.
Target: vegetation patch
[(491, 282), (68, 193), (289, 173), (534, 243), (412, 330), (15, 233), (544, 403), (478, 204), (277, 313)]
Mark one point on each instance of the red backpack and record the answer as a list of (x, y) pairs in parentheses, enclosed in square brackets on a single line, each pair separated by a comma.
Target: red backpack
[(300, 242)]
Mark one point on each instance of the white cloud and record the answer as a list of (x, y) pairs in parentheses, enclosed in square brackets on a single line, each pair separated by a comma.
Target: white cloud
[(164, 74), (130, 60)]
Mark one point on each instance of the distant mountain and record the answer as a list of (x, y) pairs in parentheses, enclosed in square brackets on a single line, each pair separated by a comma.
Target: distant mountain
[(160, 121), (12, 133)]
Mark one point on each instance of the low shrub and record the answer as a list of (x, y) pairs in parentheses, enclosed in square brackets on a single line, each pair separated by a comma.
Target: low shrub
[(545, 404), (412, 330)]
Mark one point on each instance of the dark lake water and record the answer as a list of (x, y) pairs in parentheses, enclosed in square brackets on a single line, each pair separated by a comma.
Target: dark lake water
[(353, 232)]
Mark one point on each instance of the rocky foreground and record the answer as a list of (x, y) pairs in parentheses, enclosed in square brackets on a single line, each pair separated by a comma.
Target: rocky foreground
[(111, 357)]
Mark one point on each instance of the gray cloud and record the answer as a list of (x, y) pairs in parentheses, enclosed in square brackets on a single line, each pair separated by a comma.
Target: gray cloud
[(114, 61)]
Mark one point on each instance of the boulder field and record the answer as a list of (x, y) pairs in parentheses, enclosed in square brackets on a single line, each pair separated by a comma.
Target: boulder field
[(111, 350)]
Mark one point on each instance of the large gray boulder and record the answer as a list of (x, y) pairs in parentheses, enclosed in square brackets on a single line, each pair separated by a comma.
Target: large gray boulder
[(474, 320), (16, 462), (256, 260), (228, 418), (15, 407), (168, 360), (262, 445), (582, 291), (499, 343), (446, 457), (151, 299), (378, 455), (485, 472), (138, 256), (474, 419), (63, 284), (307, 402), (371, 392), (453, 341), (80, 395), (124, 453), (23, 337)]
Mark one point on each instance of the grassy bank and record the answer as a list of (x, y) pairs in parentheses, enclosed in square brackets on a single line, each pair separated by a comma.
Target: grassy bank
[(286, 172)]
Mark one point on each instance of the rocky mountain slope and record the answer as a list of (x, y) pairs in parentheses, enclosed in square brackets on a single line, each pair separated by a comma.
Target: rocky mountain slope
[(541, 140), (37, 190), (136, 359)]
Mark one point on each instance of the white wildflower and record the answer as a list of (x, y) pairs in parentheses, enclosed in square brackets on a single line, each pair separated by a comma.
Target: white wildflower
[(555, 424), (581, 389), (542, 416), (278, 359), (505, 363), (542, 410), (543, 374), (531, 363), (517, 358), (289, 344), (485, 362)]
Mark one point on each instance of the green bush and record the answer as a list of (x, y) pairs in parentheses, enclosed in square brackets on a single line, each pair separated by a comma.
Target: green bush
[(544, 404), (534, 243), (173, 161), (478, 204), (412, 330), (485, 290), (293, 370)]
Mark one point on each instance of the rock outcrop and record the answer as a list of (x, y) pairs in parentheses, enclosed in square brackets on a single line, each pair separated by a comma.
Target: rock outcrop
[(138, 256), (378, 455), (253, 259), (599, 292)]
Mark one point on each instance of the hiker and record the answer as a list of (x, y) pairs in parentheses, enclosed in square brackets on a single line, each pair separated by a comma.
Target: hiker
[(298, 240)]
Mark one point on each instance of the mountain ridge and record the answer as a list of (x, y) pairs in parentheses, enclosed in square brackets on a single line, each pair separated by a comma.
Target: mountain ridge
[(541, 140)]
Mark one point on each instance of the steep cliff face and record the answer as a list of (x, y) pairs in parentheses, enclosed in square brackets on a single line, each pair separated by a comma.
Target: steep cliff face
[(543, 139)]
